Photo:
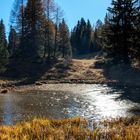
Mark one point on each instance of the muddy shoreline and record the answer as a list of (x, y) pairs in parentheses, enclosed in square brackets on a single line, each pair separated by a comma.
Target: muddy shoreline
[(14, 86)]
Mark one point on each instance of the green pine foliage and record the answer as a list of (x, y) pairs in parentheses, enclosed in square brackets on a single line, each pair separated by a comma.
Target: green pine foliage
[(119, 29), (135, 50), (12, 41), (98, 36), (65, 45), (3, 48), (82, 37), (32, 39)]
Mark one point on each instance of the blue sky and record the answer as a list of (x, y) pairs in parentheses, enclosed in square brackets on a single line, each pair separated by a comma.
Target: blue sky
[(89, 9), (73, 10)]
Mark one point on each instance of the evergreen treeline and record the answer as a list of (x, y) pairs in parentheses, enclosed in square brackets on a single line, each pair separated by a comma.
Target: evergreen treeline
[(38, 30), (82, 37), (117, 37), (121, 32)]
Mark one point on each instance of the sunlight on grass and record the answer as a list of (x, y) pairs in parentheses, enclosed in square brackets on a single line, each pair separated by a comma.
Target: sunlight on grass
[(72, 129)]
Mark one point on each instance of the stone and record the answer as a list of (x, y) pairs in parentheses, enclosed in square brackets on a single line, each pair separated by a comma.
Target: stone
[(4, 91)]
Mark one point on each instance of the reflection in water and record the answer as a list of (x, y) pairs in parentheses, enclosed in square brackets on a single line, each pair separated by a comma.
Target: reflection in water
[(93, 102), (8, 108)]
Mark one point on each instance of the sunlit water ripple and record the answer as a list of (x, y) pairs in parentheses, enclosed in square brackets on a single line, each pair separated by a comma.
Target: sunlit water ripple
[(93, 102)]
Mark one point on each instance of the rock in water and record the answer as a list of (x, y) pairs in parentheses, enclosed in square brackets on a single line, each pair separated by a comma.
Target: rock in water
[(4, 91)]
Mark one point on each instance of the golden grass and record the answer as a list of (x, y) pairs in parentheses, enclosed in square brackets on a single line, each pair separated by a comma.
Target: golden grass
[(72, 129)]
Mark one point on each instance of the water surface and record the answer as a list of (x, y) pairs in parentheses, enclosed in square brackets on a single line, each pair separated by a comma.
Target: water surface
[(93, 102)]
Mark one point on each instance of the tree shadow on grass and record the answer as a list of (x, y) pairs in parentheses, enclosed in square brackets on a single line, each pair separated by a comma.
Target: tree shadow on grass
[(28, 72), (122, 73), (125, 80)]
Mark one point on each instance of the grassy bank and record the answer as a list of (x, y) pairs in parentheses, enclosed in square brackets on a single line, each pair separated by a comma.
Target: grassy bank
[(72, 129), (77, 71)]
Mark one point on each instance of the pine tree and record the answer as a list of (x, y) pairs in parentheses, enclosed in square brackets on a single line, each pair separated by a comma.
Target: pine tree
[(82, 37), (72, 41), (65, 45), (106, 40), (122, 17), (89, 32), (34, 17), (3, 47), (98, 36), (136, 41), (13, 41), (3, 34), (75, 38), (17, 17)]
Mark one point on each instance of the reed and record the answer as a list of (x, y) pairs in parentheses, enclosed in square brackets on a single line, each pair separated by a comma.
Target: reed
[(72, 129)]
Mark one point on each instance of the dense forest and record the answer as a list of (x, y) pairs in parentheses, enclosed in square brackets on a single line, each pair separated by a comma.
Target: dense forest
[(38, 32)]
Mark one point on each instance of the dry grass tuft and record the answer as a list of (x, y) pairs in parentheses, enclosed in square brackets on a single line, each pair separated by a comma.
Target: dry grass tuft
[(72, 129)]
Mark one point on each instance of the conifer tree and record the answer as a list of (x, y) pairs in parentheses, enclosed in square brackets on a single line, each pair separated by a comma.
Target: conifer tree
[(3, 47), (49, 12), (136, 41), (82, 37), (58, 17), (89, 32), (65, 45), (121, 28), (34, 25), (98, 35), (17, 17), (106, 32), (12, 41)]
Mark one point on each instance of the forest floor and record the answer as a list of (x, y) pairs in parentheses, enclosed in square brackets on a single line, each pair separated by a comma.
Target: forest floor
[(81, 70)]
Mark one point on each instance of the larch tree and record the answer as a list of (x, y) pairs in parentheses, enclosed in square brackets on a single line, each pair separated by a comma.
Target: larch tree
[(49, 12), (57, 19)]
